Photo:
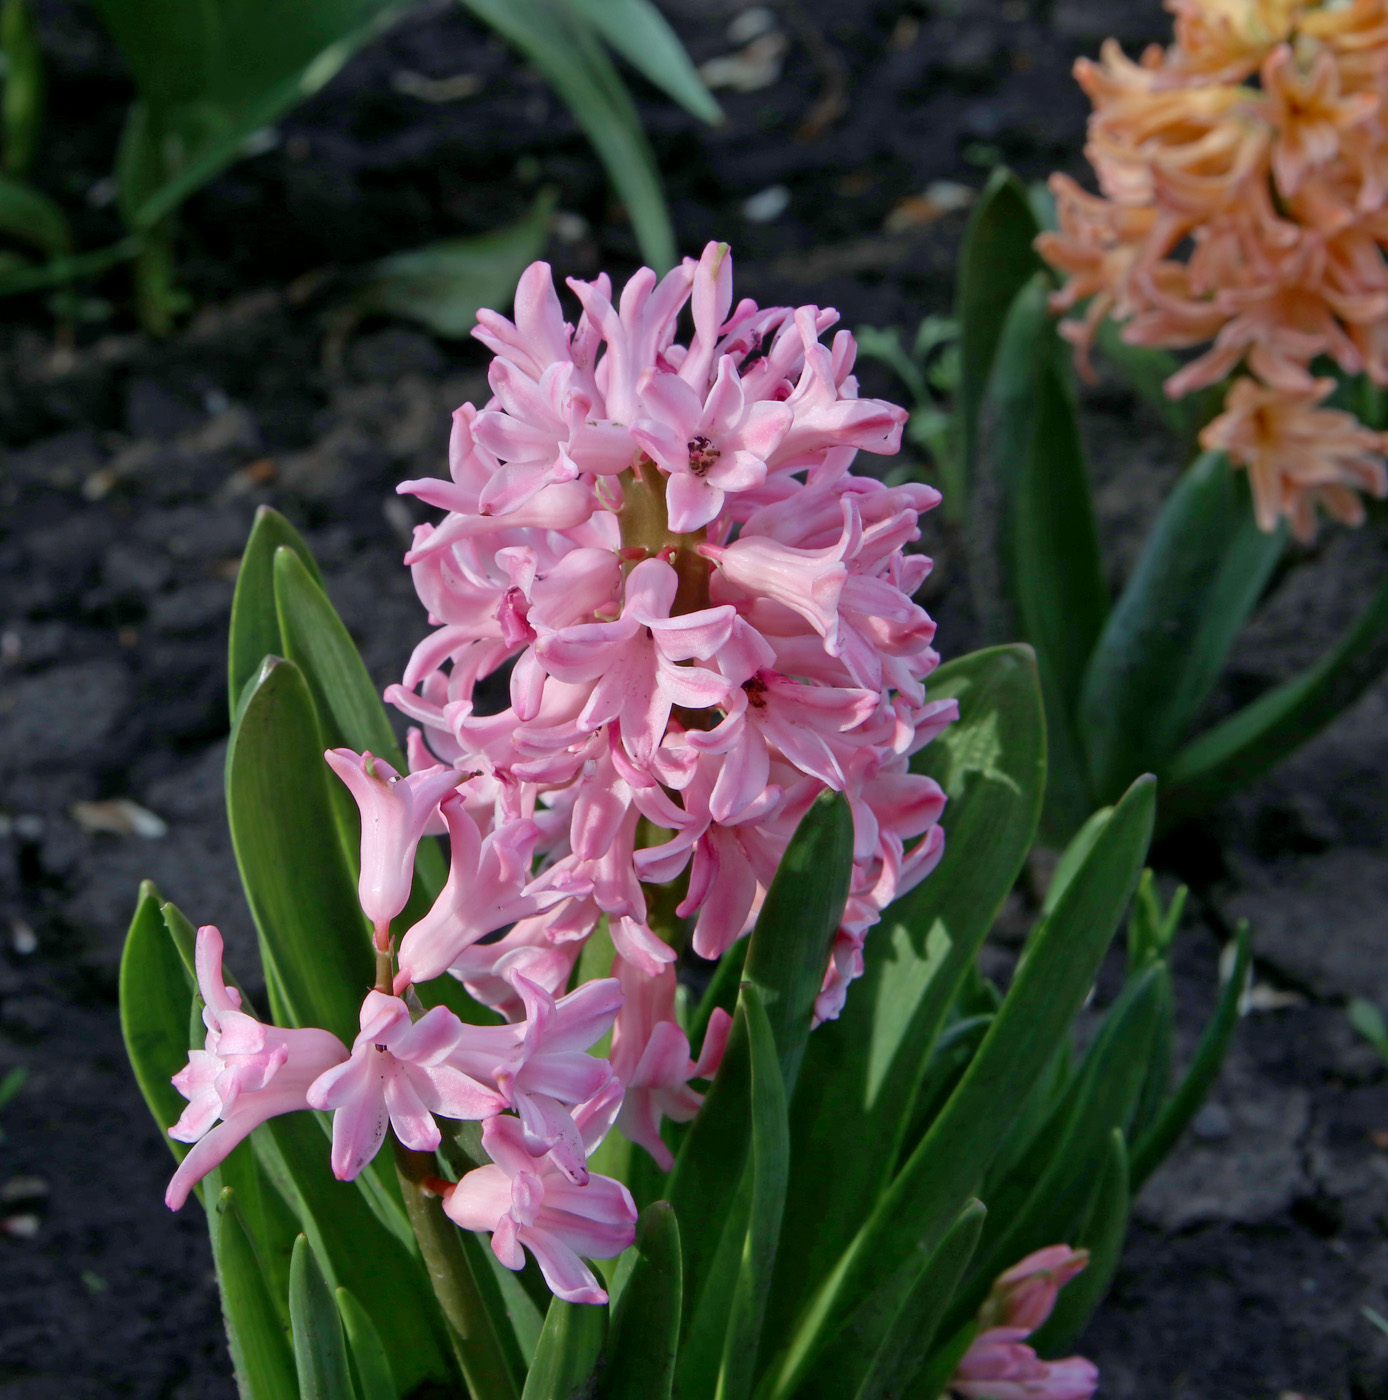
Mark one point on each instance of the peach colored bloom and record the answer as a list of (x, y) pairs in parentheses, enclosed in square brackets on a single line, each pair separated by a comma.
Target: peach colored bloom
[(1298, 455), (1242, 214)]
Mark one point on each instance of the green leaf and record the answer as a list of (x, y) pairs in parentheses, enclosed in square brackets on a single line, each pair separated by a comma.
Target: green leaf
[(1177, 1112), (568, 52), (255, 627), (569, 1349), (1250, 742), (1045, 536), (907, 1344), (320, 1352), (373, 1257), (944, 1170), (638, 31), (155, 993), (1367, 1019), (1203, 568), (644, 1338), (28, 214), (996, 260), (210, 75), (786, 956), (260, 1351), (1102, 1234), (769, 1167), (1074, 856), (1047, 1196), (443, 285), (313, 936), (864, 1071), (370, 1365), (22, 105), (184, 936), (790, 945)]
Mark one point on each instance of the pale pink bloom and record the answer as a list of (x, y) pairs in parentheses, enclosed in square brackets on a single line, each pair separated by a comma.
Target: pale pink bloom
[(541, 1065), (708, 446), (398, 1076), (487, 969), (650, 1056), (527, 1202), (804, 581), (485, 891), (998, 1364), (247, 1072), (395, 811), (635, 663)]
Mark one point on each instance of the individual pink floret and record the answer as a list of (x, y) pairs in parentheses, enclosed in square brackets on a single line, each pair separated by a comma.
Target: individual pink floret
[(247, 1072), (527, 1202), (395, 811), (998, 1364), (398, 1076)]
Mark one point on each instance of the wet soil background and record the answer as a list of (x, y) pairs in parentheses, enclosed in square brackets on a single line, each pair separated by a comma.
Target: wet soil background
[(129, 476)]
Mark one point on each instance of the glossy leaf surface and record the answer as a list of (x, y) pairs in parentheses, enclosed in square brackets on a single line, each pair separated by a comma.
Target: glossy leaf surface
[(643, 1342)]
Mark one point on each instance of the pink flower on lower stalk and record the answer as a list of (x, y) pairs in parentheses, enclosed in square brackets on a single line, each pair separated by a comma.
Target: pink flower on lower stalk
[(650, 1055), (527, 1202), (394, 813), (247, 1073), (999, 1365), (398, 1076)]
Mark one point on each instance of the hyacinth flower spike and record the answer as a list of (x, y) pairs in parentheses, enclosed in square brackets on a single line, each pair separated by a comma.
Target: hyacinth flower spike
[(528, 1202), (246, 1073), (398, 1076)]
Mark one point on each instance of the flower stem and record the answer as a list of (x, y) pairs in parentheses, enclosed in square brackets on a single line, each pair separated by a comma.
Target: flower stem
[(486, 1367)]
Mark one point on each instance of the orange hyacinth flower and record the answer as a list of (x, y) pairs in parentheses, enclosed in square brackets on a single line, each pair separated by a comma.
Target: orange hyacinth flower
[(1299, 456), (1242, 214)]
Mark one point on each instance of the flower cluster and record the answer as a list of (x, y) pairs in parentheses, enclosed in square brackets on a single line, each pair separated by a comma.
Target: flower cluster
[(1244, 209), (998, 1364), (707, 622)]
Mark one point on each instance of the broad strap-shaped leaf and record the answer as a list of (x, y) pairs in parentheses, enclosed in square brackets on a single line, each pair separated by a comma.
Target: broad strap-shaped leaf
[(371, 1373), (313, 936), (566, 49), (1102, 1234), (769, 1168), (156, 991), (568, 1352), (260, 1350), (643, 1341), (443, 285), (372, 1255), (1174, 1116), (1051, 1195), (996, 260), (1204, 565), (864, 1071), (255, 628), (22, 101), (1074, 856), (908, 1342), (320, 1350), (639, 32), (211, 74), (1043, 530), (786, 957), (933, 1185), (1248, 743), (32, 217)]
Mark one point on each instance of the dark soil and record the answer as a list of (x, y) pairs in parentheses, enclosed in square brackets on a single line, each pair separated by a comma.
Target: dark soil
[(130, 474)]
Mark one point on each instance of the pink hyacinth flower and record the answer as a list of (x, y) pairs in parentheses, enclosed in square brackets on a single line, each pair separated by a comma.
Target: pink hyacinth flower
[(247, 1073), (397, 1075), (395, 811), (650, 1055), (527, 1202), (541, 1065), (998, 1364)]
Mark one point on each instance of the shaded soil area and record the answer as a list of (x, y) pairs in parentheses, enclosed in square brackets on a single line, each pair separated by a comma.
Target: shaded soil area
[(129, 476)]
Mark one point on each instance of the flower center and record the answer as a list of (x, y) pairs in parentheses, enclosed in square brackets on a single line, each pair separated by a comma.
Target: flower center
[(702, 454)]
